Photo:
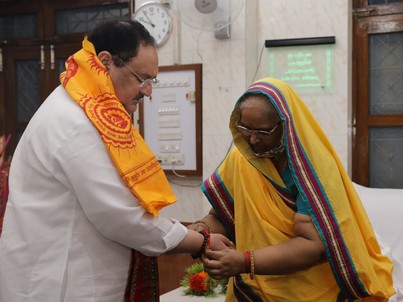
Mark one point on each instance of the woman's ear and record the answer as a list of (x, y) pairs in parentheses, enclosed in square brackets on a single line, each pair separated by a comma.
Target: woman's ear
[(106, 58)]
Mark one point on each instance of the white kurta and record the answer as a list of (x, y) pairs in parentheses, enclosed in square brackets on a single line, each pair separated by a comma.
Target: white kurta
[(70, 220)]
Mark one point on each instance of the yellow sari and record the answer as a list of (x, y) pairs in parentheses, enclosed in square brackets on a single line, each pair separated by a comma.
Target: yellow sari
[(257, 210)]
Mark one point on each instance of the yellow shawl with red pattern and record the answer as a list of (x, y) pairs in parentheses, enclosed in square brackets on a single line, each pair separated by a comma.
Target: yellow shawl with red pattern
[(88, 83)]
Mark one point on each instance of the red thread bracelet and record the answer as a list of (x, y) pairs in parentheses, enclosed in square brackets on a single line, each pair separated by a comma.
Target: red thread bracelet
[(247, 261)]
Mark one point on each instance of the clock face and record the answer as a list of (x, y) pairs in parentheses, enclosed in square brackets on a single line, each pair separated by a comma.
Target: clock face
[(156, 19)]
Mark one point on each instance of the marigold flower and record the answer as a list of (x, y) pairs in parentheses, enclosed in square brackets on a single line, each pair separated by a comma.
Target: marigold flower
[(199, 282)]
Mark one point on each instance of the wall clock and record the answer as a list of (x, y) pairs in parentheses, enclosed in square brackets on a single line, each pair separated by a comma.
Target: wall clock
[(156, 18)]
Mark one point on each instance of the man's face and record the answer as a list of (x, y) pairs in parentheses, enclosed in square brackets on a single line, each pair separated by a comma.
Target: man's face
[(128, 78)]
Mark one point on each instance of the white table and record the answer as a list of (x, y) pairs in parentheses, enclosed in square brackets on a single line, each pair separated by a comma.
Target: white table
[(177, 295)]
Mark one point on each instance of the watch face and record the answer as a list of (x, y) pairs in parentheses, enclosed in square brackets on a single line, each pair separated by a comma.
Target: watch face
[(156, 19)]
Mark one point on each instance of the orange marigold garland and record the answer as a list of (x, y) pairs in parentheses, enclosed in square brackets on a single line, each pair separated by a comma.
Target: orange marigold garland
[(198, 283)]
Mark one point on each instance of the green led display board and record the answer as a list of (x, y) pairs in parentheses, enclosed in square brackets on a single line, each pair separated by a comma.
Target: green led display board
[(307, 68)]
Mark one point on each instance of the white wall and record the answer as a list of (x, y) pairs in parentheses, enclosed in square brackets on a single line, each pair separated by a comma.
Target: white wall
[(229, 67)]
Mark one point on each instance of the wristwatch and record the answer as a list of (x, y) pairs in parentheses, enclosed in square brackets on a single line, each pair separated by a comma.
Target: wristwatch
[(157, 19)]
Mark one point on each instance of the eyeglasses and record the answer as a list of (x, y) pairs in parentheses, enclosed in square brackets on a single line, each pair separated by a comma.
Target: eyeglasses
[(143, 82), (261, 133)]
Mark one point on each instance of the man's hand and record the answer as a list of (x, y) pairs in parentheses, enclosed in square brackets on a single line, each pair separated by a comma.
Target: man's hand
[(219, 242)]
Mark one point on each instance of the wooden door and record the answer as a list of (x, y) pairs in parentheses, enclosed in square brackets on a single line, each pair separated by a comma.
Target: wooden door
[(24, 90), (378, 93), (36, 39)]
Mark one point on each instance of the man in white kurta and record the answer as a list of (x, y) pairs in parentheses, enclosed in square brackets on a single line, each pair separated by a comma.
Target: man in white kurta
[(85, 189), (82, 251)]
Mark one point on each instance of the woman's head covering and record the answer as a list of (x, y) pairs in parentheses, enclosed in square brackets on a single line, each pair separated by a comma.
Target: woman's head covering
[(326, 190)]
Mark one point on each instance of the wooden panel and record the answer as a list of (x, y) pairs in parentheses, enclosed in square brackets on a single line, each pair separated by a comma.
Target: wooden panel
[(171, 269)]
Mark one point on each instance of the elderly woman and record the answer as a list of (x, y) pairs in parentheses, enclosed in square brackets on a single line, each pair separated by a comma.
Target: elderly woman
[(285, 200)]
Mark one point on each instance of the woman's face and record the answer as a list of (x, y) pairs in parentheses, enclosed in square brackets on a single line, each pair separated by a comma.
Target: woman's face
[(260, 124)]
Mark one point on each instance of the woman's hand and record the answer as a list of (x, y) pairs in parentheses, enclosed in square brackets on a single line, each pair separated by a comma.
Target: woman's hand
[(225, 263), (301, 252)]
